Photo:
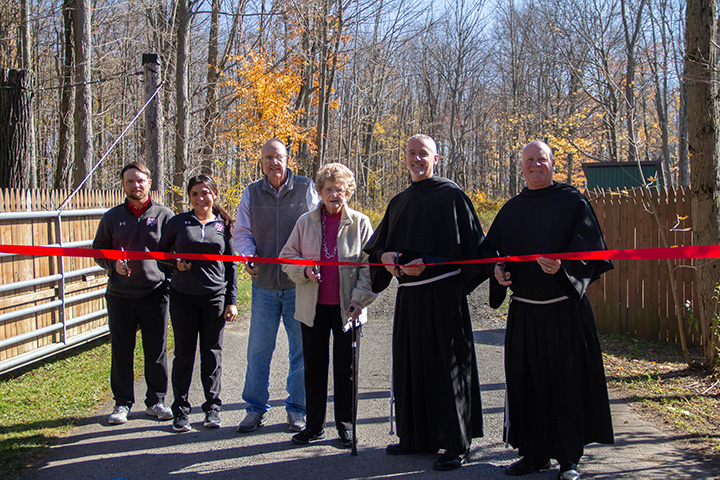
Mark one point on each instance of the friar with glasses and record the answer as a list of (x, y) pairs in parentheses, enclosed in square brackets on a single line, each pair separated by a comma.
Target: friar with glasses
[(137, 294), (557, 400), (266, 215), (435, 377)]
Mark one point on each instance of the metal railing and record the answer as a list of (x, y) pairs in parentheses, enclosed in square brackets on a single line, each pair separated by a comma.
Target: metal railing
[(62, 342)]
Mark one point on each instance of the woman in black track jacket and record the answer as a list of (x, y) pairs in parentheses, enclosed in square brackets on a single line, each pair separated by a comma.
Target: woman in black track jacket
[(202, 298)]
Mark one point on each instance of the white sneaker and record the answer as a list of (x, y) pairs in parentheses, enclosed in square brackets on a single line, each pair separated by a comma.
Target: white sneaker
[(212, 419), (119, 415), (251, 422), (160, 411), (296, 421)]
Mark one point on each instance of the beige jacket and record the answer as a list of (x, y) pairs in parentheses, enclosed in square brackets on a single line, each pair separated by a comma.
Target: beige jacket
[(305, 242)]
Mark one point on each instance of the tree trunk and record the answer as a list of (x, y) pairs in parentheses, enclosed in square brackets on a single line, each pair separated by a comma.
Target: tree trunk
[(67, 103), (211, 107), (83, 94), (182, 104), (630, 100), (659, 70), (683, 159), (15, 105), (27, 65), (704, 149), (323, 58)]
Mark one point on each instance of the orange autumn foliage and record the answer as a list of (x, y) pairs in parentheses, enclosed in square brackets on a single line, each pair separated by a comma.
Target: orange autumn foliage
[(263, 106)]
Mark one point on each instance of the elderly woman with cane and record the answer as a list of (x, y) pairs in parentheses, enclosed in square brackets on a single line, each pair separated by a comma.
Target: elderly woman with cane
[(330, 298)]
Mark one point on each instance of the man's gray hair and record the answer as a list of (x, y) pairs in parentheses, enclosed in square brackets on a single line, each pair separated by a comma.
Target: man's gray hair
[(422, 136)]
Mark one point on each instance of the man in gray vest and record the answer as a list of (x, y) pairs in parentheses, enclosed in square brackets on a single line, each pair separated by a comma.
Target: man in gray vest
[(266, 215)]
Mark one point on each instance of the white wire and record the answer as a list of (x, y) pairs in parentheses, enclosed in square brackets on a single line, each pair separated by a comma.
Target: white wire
[(72, 194)]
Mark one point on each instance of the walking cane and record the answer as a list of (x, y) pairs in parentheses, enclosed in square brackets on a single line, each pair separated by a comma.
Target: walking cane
[(392, 400), (356, 357)]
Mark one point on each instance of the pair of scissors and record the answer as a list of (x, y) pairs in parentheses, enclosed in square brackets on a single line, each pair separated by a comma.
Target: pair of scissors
[(124, 262)]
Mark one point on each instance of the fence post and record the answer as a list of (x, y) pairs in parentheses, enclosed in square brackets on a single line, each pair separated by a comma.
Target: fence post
[(154, 146)]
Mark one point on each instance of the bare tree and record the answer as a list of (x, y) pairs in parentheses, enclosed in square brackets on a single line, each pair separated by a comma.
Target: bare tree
[(457, 58), (211, 106), (83, 94), (658, 59), (631, 32), (27, 65), (217, 63), (182, 102), (67, 101), (511, 60)]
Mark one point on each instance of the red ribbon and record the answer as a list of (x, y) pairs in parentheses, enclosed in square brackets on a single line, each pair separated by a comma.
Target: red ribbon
[(695, 251)]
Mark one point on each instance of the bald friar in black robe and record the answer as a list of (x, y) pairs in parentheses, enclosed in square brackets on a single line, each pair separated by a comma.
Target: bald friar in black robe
[(435, 376), (557, 399)]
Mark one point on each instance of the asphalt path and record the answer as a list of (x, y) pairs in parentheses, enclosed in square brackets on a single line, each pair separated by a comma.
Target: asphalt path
[(144, 448)]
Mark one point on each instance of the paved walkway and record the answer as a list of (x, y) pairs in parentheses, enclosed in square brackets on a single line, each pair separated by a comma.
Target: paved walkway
[(148, 449)]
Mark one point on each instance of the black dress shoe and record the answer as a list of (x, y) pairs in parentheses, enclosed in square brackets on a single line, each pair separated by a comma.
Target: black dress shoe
[(306, 436), (346, 438), (399, 449), (450, 460), (568, 472), (527, 465)]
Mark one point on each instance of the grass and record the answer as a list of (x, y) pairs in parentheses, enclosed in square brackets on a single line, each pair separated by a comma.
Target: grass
[(44, 401), (244, 293)]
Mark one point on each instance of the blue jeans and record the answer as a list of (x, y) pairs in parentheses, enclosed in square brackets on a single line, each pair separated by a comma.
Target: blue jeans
[(268, 306)]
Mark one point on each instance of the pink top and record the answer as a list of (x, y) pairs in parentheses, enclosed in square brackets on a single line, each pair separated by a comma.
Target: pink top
[(329, 293)]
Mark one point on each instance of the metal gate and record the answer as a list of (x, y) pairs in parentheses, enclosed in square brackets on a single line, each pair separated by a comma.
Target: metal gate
[(49, 304)]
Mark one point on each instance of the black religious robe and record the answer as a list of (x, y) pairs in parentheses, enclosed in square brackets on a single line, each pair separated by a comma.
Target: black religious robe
[(557, 399), (435, 378)]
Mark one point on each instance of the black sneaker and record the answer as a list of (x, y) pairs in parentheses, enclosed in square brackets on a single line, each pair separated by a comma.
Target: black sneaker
[(307, 436), (212, 419), (181, 423)]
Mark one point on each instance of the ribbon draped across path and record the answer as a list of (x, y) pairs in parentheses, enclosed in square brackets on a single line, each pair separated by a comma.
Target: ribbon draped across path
[(695, 251)]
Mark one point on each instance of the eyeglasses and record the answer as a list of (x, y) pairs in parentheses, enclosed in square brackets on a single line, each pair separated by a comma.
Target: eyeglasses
[(337, 191), (278, 157)]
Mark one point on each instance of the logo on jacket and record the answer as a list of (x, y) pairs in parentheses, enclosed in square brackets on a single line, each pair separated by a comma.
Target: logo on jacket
[(121, 224), (220, 227), (151, 221)]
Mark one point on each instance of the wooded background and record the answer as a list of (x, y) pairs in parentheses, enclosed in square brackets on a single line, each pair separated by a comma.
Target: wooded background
[(350, 81), (48, 304)]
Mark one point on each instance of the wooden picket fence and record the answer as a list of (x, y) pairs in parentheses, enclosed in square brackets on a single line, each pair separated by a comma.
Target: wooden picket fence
[(57, 302), (636, 297)]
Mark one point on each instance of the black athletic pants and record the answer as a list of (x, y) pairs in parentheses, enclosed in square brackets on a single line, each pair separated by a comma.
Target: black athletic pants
[(193, 317), (125, 316)]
